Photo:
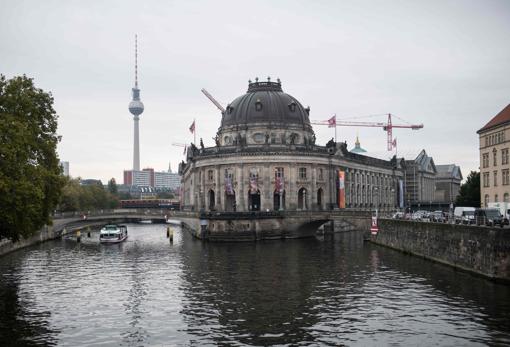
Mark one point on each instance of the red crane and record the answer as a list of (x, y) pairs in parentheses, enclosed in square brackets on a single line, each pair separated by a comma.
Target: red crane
[(388, 126)]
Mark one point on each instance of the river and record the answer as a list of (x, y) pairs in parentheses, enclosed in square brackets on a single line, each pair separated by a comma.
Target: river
[(332, 290)]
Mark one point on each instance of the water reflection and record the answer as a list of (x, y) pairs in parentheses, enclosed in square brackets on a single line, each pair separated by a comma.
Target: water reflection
[(324, 291)]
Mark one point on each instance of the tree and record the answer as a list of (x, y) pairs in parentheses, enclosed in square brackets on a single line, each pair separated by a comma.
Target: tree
[(112, 186), (469, 194), (30, 175)]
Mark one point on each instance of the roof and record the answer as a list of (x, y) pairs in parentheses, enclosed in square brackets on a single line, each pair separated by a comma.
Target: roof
[(449, 171), (501, 118), (424, 162), (265, 102)]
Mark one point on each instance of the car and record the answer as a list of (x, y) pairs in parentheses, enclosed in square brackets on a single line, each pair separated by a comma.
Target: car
[(489, 217), (437, 216), (398, 215)]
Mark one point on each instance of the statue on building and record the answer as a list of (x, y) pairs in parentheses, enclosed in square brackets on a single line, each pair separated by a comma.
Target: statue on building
[(267, 138), (201, 144), (216, 140)]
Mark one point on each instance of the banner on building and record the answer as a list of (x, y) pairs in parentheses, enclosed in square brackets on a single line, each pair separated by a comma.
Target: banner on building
[(341, 189), (278, 184), (400, 193), (228, 186), (253, 185)]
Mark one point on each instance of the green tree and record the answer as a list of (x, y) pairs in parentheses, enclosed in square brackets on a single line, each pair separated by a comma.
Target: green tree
[(469, 194), (30, 174), (112, 186)]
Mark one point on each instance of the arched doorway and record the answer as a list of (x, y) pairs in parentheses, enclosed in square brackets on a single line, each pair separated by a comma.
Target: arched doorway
[(320, 192), (230, 202), (254, 201), (276, 200), (302, 199), (211, 200)]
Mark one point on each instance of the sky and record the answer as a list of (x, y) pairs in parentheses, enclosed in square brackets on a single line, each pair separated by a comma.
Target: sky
[(444, 64)]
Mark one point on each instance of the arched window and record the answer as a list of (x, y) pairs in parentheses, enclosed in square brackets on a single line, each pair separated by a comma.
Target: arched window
[(505, 197), (486, 200), (211, 200), (320, 193), (496, 198), (302, 199)]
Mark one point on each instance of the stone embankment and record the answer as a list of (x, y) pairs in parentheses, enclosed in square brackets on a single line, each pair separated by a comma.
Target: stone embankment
[(481, 250)]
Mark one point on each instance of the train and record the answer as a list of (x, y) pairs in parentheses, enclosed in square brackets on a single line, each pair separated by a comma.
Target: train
[(150, 203)]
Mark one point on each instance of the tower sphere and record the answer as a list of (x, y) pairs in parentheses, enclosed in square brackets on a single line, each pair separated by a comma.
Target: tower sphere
[(136, 107)]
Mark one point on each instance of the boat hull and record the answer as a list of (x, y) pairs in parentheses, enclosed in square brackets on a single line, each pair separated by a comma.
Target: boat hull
[(113, 240)]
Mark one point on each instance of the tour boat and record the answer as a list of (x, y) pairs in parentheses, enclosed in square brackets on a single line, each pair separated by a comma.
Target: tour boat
[(113, 233)]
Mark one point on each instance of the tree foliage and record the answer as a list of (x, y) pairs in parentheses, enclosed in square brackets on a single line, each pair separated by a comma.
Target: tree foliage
[(469, 194), (30, 174), (112, 186), (77, 197)]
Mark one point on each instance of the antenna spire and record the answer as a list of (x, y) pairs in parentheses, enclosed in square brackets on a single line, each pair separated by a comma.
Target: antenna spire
[(136, 61)]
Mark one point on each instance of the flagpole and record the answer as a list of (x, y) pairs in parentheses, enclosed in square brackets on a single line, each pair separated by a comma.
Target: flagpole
[(335, 128), (194, 132)]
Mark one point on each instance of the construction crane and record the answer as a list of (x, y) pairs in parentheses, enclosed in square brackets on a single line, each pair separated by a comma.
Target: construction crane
[(213, 100), (388, 126)]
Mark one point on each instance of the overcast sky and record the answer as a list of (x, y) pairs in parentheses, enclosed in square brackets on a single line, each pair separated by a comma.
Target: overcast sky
[(445, 64)]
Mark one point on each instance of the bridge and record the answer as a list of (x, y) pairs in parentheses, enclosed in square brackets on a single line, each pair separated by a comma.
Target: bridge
[(225, 226)]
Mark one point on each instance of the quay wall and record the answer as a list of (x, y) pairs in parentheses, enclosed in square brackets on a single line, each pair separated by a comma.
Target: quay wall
[(480, 250)]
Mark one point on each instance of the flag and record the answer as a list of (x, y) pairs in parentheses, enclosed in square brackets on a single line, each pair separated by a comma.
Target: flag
[(185, 148), (192, 127), (332, 122), (394, 143)]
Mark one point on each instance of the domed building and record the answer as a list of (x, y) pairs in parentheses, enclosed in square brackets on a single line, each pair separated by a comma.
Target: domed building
[(266, 159)]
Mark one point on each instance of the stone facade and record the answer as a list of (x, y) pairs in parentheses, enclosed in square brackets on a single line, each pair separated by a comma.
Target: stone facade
[(494, 159), (266, 159)]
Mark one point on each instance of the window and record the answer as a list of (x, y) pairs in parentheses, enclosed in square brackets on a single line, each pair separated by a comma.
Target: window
[(505, 197), (321, 174), (496, 198), (302, 173), (504, 156), (505, 177), (495, 157), (486, 141), (258, 138), (485, 179), (486, 200), (495, 178), (229, 173), (210, 175), (258, 105), (485, 160)]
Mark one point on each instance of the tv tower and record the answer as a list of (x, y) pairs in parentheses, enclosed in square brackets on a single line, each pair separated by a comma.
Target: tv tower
[(136, 109)]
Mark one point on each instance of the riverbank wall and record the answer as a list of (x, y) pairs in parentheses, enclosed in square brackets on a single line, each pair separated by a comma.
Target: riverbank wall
[(480, 250)]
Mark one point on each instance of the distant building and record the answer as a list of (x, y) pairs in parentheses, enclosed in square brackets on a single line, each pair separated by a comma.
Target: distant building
[(150, 178), (494, 159), (65, 168), (448, 181), (91, 182), (420, 175), (429, 185), (357, 147)]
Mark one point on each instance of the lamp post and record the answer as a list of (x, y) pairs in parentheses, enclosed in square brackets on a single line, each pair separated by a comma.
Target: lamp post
[(376, 189)]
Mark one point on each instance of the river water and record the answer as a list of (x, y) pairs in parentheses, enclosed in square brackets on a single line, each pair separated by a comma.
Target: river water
[(332, 290)]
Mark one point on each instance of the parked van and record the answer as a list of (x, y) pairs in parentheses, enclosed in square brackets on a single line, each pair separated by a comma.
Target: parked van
[(489, 217), (503, 207), (464, 215)]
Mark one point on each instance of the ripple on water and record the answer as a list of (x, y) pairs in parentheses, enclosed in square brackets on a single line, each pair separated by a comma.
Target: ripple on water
[(336, 291)]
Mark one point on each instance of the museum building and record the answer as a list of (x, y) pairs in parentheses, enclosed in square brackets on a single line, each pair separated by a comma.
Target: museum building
[(266, 159)]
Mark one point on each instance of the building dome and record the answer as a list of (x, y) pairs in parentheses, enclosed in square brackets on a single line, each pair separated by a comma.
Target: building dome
[(136, 107), (266, 103)]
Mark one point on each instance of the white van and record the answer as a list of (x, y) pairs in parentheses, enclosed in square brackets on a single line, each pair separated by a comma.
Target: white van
[(464, 215)]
